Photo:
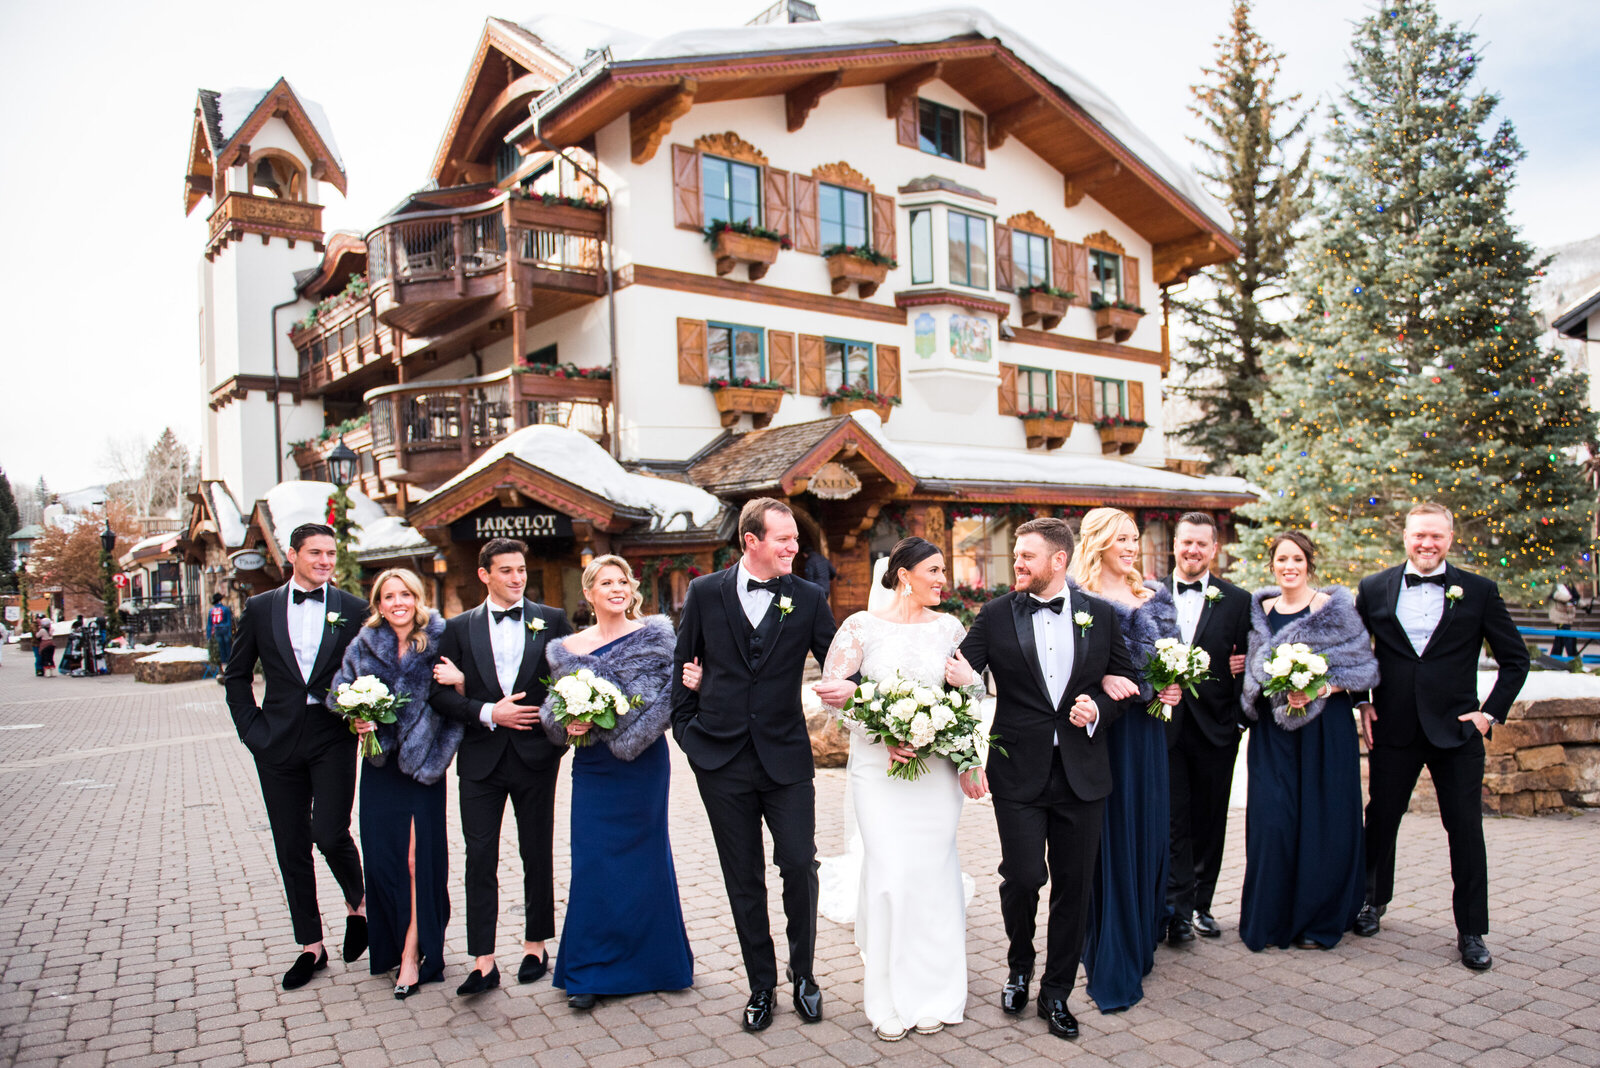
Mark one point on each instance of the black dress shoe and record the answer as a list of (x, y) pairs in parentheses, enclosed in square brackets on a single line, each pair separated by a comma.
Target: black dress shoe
[(1307, 942), (477, 982), (1014, 995), (758, 1011), (1054, 1011), (1179, 931), (355, 938), (581, 1002), (1474, 954), (807, 997), (532, 968), (305, 965), (1206, 926), (1367, 924)]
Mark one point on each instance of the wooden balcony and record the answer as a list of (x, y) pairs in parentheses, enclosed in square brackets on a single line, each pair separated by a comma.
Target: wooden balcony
[(344, 350), (425, 432), (433, 272), (241, 213)]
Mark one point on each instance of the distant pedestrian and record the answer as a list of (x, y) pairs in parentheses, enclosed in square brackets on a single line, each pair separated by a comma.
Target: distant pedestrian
[(5, 636), (1563, 614), (819, 569), (44, 648), (219, 629)]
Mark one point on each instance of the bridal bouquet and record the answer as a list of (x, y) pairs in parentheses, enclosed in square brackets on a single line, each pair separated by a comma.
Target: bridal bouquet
[(368, 700), (932, 720), (584, 697), (1175, 662), (1296, 669)]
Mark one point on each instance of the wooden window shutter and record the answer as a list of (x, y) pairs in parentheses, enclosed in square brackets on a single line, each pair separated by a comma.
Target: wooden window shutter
[(777, 197), (780, 358), (686, 206), (1136, 402), (1060, 265), (905, 124), (1078, 262), (883, 239), (813, 371), (692, 352), (1066, 397), (1008, 389), (1002, 259), (806, 229), (888, 357), (1085, 398), (1130, 279), (972, 123)]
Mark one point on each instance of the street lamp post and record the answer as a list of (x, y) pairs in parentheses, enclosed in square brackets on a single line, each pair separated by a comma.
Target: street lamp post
[(108, 542), (342, 470)]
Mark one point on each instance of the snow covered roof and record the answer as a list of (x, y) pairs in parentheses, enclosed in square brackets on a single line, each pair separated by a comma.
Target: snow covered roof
[(375, 534), (229, 110), (230, 521), (575, 458), (1574, 320), (155, 544)]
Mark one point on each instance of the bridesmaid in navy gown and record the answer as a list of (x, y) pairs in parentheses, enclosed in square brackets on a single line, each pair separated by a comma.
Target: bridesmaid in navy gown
[(623, 932), (1304, 874), (1128, 902)]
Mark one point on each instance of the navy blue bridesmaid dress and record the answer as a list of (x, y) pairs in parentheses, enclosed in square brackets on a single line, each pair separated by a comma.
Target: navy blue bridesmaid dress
[(392, 802)]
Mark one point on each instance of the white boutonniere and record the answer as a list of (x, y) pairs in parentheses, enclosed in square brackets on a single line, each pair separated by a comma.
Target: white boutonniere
[(536, 624), (335, 620), (1213, 594), (1084, 621), (1454, 594), (785, 606)]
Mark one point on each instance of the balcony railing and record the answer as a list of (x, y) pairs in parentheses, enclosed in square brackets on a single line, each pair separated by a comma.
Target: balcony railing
[(240, 213), (343, 340)]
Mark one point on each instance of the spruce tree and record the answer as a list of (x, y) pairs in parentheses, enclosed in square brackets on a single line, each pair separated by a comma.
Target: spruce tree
[(9, 524), (1412, 371), (1254, 169)]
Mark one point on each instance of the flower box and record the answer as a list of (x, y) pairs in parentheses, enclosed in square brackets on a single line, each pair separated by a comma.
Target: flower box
[(847, 270), (846, 405), (760, 404), (732, 248), (1120, 439), (1043, 308), (1115, 323), (1047, 432)]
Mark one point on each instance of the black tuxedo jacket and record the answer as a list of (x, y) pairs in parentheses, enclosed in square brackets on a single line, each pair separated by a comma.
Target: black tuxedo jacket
[(271, 728), (1001, 639), (466, 643), (1224, 628), (1429, 692), (742, 698)]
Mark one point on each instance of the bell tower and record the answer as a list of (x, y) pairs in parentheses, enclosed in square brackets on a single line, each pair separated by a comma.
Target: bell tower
[(261, 156)]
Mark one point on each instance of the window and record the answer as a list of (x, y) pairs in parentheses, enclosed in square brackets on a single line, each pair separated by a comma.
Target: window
[(1033, 389), (982, 552), (939, 130), (545, 356), (969, 251), (734, 352), (921, 247), (848, 363), (1106, 271), (1030, 259), (1155, 547), (731, 191), (1110, 397), (843, 214), (506, 161)]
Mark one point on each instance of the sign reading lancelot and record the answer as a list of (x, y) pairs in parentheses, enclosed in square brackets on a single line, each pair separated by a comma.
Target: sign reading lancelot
[(524, 524)]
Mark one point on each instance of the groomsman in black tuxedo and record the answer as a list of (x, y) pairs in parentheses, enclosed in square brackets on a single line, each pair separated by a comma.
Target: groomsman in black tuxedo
[(1429, 620), (744, 732), (499, 647), (305, 755), (1049, 647), (1203, 735)]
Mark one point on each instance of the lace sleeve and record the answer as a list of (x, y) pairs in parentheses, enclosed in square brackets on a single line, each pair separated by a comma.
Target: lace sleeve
[(844, 655), (957, 634)]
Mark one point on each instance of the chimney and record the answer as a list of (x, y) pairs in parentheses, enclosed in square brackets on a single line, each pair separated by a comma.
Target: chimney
[(787, 11)]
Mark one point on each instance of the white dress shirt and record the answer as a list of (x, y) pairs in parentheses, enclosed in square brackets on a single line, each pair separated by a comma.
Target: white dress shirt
[(754, 602), (1190, 604), (1420, 607), (1052, 637), (306, 621), (507, 639)]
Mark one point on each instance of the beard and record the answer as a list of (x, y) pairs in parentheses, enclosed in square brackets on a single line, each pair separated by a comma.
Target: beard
[(1038, 584)]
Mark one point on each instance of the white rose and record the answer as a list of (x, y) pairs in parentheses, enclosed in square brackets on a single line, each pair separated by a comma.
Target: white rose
[(348, 698), (866, 690), (1301, 647), (904, 708), (1166, 643), (876, 706), (1279, 668), (1301, 679), (1317, 664), (924, 696), (1202, 660), (1082, 619)]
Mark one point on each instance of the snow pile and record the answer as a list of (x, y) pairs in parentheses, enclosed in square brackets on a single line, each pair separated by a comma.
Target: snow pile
[(230, 522), (1546, 685), (289, 504), (177, 654)]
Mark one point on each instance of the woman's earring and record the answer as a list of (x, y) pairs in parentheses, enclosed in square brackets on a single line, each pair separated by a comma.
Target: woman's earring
[(905, 590)]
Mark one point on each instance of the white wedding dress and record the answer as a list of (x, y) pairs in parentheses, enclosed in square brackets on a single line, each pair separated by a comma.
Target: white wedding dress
[(910, 915)]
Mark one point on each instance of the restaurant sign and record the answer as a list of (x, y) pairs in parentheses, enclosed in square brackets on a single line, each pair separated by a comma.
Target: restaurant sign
[(524, 524), (834, 482)]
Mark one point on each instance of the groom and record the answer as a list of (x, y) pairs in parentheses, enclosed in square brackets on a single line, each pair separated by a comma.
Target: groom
[(1049, 648), (744, 733)]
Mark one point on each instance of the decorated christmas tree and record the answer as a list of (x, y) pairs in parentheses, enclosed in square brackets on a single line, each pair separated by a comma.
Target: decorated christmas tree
[(1412, 370)]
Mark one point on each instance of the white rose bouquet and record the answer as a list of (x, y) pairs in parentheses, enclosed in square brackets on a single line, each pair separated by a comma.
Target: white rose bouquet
[(1175, 663), (584, 697), (1296, 669), (933, 720), (368, 700)]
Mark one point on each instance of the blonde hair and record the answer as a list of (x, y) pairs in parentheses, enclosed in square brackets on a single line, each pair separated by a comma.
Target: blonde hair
[(592, 572), (1096, 534), (413, 582)]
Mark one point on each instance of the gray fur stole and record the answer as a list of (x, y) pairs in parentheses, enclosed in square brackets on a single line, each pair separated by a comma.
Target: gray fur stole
[(1143, 626), (425, 741), (1333, 631), (640, 667)]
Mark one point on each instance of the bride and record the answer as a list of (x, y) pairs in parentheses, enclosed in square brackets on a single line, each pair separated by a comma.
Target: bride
[(910, 922)]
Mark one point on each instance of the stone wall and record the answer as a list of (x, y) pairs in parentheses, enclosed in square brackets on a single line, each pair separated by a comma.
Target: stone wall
[(1546, 757), (163, 671)]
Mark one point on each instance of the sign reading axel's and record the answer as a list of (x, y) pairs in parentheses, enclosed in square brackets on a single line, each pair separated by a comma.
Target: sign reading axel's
[(525, 524)]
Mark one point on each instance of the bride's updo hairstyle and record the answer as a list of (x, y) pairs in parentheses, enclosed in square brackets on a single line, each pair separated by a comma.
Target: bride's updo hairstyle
[(907, 553)]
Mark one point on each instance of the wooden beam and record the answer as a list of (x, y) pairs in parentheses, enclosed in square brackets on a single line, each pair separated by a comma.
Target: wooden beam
[(799, 101), (1004, 121), (1175, 261), (649, 126), (1082, 183), (896, 90)]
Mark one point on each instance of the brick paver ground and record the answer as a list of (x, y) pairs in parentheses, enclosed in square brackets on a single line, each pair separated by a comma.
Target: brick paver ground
[(142, 923)]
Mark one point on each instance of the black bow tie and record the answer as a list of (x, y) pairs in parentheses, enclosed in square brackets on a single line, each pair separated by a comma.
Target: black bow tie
[(1413, 579), (1034, 604), (771, 585), (1191, 587), (301, 596), (509, 613)]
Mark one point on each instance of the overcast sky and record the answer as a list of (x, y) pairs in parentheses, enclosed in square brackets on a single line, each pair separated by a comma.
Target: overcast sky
[(99, 99)]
